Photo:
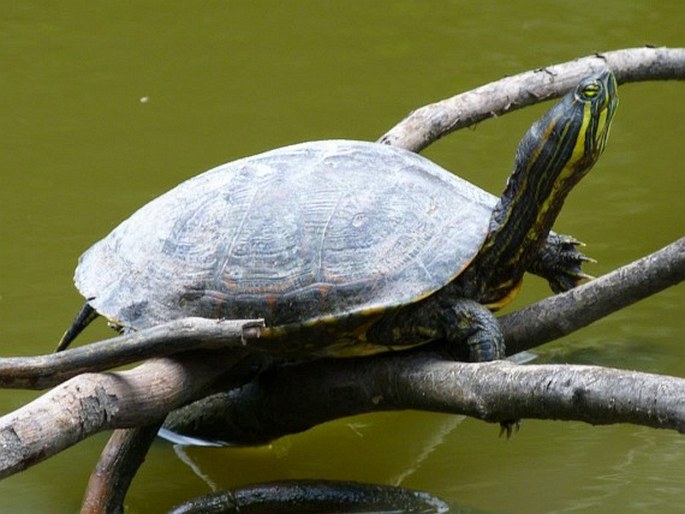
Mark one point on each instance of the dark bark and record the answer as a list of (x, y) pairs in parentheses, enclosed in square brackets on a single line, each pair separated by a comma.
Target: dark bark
[(313, 496), (290, 400), (118, 464)]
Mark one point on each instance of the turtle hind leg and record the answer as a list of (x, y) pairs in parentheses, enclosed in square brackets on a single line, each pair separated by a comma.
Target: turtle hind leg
[(81, 321), (465, 330), (468, 329), (476, 330)]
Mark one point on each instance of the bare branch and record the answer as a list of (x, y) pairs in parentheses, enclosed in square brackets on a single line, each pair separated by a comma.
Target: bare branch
[(92, 402), (167, 339), (118, 464), (431, 122), (564, 313), (290, 400)]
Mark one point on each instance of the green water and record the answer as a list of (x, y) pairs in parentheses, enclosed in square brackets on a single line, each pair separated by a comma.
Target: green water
[(107, 104)]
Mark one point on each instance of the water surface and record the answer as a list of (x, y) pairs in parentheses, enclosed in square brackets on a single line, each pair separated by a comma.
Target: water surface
[(107, 104)]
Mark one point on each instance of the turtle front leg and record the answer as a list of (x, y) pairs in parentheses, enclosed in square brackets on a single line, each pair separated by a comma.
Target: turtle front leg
[(560, 262)]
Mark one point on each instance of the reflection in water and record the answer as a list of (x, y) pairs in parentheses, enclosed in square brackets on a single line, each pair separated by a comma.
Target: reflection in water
[(434, 439), (182, 454), (648, 474)]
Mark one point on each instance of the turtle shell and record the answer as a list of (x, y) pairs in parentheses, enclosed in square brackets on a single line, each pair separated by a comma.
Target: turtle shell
[(308, 232)]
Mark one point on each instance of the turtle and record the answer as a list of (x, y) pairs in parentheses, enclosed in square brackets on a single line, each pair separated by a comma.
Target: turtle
[(351, 248)]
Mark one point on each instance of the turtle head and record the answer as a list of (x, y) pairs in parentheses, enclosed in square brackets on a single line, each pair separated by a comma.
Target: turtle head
[(554, 154), (562, 146), (597, 98)]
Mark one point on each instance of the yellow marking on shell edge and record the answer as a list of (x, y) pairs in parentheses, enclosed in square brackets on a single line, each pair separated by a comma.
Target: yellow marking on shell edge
[(361, 331), (358, 333), (508, 298)]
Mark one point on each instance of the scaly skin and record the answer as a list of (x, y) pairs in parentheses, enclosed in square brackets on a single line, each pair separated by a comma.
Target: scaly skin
[(555, 153), (560, 262)]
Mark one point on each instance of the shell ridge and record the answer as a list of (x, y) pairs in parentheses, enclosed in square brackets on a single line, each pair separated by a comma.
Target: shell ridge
[(237, 231), (312, 231)]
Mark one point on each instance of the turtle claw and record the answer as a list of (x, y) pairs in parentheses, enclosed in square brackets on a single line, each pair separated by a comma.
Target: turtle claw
[(560, 262), (508, 427)]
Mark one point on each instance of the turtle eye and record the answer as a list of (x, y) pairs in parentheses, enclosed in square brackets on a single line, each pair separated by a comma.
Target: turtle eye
[(590, 91)]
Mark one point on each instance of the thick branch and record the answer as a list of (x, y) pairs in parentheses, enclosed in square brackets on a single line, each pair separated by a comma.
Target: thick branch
[(431, 122), (290, 400), (92, 402)]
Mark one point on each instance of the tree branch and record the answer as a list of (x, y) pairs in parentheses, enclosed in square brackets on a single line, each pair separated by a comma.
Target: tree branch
[(169, 338), (564, 313), (93, 402), (492, 391), (291, 400), (431, 122), (118, 464)]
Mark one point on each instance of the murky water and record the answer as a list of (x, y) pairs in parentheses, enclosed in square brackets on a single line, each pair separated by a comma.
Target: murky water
[(107, 104)]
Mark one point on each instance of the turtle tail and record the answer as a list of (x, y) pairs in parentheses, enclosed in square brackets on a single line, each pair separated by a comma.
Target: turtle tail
[(81, 321)]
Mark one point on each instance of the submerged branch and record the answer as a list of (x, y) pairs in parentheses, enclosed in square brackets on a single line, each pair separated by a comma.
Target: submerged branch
[(297, 496)]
